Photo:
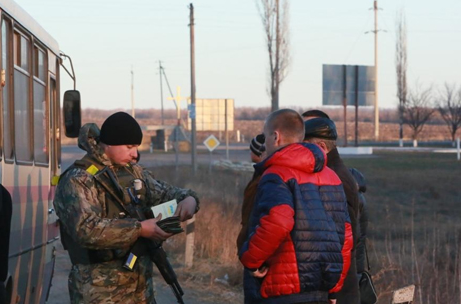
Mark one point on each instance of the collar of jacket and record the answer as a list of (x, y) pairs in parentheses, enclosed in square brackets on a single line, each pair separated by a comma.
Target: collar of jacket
[(333, 157), (305, 157), (88, 141)]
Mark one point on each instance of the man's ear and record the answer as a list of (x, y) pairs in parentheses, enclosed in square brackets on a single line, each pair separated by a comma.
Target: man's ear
[(323, 145)]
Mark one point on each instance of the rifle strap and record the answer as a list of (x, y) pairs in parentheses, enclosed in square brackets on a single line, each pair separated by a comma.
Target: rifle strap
[(366, 254)]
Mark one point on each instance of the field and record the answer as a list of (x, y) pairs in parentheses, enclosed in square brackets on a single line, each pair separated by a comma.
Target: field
[(414, 202), (249, 122)]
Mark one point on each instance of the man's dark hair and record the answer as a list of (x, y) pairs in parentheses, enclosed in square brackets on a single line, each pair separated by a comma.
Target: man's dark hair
[(288, 122), (315, 113)]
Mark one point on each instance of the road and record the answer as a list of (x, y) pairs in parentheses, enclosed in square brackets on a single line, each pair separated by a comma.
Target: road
[(59, 293), (236, 153)]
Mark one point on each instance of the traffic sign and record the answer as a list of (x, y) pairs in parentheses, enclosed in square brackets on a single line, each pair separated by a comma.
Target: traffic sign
[(211, 143)]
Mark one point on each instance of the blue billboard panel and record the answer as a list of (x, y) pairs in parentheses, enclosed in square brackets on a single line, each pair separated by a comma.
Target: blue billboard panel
[(340, 81)]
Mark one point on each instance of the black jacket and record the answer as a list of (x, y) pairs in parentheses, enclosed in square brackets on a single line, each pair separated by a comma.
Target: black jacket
[(349, 294), (363, 224), (350, 188), (363, 221), (5, 221)]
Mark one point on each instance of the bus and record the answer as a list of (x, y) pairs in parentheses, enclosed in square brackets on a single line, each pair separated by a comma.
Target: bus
[(30, 128)]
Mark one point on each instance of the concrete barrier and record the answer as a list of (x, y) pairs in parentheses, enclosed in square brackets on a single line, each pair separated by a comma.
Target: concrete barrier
[(355, 150)]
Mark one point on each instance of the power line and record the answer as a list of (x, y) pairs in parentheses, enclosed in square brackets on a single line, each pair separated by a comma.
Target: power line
[(169, 88)]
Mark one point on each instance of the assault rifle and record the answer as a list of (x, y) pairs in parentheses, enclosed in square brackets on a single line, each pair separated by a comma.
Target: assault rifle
[(158, 256), (145, 246), (155, 251)]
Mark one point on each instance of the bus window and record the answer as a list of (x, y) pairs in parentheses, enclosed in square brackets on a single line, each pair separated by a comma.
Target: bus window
[(22, 124), (40, 109), (7, 113)]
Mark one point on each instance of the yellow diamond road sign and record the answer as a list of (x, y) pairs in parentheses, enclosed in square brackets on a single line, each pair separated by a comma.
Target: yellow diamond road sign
[(211, 143)]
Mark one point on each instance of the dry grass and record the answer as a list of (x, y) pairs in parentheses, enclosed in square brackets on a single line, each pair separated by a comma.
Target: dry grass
[(217, 223), (414, 236), (415, 232)]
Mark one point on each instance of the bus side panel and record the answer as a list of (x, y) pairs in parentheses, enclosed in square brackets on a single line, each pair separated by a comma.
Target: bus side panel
[(48, 272), (29, 189)]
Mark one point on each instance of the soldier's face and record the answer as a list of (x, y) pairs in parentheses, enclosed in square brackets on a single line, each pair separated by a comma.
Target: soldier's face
[(122, 155)]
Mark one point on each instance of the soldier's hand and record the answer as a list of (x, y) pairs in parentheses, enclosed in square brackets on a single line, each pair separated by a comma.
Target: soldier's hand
[(150, 230), (186, 208)]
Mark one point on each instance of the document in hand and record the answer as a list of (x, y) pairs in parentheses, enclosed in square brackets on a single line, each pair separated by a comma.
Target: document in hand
[(166, 209)]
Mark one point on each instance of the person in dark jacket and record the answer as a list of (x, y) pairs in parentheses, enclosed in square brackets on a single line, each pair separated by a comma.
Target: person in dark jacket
[(300, 236), (257, 154), (6, 209), (322, 131), (363, 221)]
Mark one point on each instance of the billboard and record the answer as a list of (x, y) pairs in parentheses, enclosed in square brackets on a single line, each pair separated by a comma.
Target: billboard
[(210, 114), (342, 79)]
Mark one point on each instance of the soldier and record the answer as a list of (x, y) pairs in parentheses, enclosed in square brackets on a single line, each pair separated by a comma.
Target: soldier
[(91, 201)]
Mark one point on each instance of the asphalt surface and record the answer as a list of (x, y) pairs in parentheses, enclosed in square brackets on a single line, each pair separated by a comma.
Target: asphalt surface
[(59, 293), (159, 158)]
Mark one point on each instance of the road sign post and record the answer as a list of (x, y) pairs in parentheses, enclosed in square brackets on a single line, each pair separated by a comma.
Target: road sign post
[(211, 143)]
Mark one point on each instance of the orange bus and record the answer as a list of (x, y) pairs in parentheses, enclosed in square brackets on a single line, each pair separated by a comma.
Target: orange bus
[(30, 149)]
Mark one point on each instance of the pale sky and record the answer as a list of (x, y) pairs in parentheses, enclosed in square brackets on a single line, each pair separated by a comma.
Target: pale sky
[(106, 38)]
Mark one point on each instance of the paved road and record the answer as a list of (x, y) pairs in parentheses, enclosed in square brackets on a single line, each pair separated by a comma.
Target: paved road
[(59, 293), (237, 153)]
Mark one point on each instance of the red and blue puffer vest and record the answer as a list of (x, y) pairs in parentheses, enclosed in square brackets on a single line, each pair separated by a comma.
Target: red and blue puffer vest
[(299, 228)]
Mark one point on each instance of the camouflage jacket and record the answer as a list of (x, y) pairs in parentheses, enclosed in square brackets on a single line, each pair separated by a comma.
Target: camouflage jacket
[(81, 203)]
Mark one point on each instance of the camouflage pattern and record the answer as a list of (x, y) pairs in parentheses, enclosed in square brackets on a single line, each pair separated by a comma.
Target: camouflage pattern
[(81, 204), (107, 283)]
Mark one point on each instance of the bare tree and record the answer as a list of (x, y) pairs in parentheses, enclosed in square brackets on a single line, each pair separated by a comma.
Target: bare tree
[(401, 69), (418, 110), (274, 15), (449, 106)]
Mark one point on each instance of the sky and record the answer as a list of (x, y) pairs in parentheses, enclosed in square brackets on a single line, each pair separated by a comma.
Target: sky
[(107, 39)]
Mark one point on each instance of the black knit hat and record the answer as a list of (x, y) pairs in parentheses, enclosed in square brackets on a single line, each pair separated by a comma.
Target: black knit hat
[(121, 129), (320, 128), (257, 145)]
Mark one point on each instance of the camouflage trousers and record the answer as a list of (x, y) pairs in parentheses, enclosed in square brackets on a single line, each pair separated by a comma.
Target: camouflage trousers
[(110, 283)]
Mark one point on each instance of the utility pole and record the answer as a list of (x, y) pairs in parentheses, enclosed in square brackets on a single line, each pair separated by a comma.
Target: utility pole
[(277, 54), (160, 69), (192, 88), (375, 8), (345, 103), (132, 93), (177, 101), (190, 228)]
